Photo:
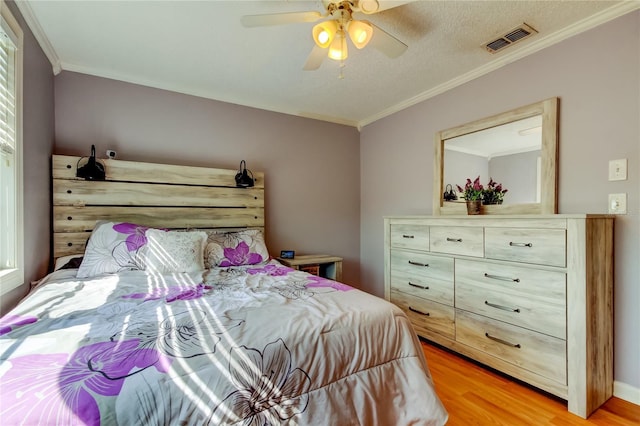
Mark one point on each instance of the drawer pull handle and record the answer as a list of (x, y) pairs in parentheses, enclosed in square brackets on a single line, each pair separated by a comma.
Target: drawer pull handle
[(454, 240), (504, 342), (423, 287), (498, 277), (411, 262), (407, 236), (504, 308), (512, 244), (426, 314)]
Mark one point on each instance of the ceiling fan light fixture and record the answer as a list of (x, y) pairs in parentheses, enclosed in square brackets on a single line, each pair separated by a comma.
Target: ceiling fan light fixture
[(324, 33), (338, 48), (360, 33)]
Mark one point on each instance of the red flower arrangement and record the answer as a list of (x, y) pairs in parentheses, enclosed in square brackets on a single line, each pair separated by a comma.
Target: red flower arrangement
[(472, 190)]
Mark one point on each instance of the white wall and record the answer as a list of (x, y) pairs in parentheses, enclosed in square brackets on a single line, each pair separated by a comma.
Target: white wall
[(596, 75)]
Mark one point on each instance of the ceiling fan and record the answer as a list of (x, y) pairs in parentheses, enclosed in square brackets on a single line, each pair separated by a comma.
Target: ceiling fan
[(330, 35)]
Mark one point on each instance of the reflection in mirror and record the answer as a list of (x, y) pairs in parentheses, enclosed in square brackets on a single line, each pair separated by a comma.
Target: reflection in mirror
[(509, 154), (517, 148)]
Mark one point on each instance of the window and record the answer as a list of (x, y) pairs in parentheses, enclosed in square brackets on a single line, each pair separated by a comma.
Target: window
[(11, 192)]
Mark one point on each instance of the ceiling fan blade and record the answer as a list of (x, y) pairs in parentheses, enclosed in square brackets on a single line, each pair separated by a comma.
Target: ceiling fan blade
[(386, 43), (315, 58), (390, 4), (374, 6), (279, 18)]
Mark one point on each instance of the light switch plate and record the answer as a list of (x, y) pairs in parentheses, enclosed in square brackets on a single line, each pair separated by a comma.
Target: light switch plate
[(618, 203), (618, 169)]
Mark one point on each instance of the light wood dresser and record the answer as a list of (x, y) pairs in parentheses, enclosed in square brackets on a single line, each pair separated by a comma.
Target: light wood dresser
[(531, 296)]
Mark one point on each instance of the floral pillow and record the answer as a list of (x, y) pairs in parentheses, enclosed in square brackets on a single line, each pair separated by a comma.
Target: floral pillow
[(246, 247), (174, 251), (113, 247)]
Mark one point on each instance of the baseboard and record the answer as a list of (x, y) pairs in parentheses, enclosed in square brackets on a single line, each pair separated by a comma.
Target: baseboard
[(626, 392)]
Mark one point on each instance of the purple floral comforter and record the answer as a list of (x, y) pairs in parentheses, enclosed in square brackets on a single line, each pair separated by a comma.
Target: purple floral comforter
[(251, 346)]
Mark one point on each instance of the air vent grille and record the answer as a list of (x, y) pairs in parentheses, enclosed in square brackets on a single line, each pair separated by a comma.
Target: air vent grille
[(516, 34)]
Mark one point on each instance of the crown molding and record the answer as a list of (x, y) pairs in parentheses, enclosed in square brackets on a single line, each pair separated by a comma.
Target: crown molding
[(504, 58), (593, 21), (39, 34), (178, 88)]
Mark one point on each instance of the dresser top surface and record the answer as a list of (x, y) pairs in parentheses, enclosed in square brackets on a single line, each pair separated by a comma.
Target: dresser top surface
[(508, 216)]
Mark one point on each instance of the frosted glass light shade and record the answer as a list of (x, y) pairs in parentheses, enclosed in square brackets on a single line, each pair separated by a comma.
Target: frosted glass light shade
[(360, 33), (324, 33), (338, 48)]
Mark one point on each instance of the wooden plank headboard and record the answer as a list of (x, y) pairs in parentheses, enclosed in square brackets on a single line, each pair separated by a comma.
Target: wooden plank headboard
[(149, 194)]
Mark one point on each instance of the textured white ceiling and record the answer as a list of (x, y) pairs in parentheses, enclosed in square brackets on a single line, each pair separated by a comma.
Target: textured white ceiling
[(200, 48)]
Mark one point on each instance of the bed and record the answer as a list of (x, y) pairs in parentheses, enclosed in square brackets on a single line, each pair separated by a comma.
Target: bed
[(176, 314)]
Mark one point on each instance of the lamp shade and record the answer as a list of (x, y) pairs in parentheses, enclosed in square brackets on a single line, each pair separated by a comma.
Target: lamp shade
[(338, 48), (243, 180), (360, 33), (324, 33), (92, 169)]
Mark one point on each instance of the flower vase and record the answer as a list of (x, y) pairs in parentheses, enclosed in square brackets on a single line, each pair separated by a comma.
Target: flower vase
[(473, 206)]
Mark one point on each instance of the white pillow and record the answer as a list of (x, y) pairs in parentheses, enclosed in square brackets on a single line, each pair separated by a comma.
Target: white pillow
[(174, 251)]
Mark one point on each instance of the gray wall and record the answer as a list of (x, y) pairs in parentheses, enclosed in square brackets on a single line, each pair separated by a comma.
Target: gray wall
[(519, 174), (596, 75), (38, 116), (312, 168), (460, 166)]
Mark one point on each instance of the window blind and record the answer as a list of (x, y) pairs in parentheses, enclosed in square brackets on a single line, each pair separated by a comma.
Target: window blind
[(8, 182), (7, 89)]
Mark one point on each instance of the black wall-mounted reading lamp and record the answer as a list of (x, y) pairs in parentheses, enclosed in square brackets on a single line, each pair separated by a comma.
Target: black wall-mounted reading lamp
[(92, 169), (243, 180)]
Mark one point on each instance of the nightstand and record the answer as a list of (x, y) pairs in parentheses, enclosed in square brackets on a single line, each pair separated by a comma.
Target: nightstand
[(317, 264)]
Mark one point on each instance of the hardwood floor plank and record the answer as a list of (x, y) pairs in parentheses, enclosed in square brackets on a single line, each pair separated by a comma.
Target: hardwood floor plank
[(624, 409), (496, 412), (474, 395)]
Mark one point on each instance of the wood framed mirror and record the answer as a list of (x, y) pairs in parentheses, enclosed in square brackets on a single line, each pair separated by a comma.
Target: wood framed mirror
[(518, 149)]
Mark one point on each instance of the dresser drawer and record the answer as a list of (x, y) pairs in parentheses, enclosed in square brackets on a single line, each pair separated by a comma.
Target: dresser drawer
[(526, 297), (423, 275), (466, 241), (539, 246), (536, 352), (426, 315), (410, 236)]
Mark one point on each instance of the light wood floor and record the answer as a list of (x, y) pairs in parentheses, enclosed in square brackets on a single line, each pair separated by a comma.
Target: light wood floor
[(474, 395)]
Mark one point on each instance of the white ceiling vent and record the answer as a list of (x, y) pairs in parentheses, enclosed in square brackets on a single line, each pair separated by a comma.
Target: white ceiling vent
[(512, 36)]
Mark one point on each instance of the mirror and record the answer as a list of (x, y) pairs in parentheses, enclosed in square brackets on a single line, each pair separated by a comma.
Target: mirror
[(509, 153), (518, 149)]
